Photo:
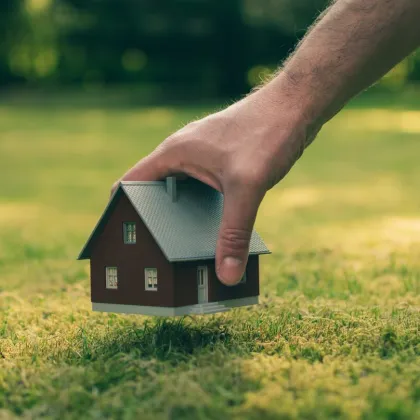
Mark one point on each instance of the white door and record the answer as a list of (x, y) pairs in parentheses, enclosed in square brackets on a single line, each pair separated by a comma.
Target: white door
[(203, 296)]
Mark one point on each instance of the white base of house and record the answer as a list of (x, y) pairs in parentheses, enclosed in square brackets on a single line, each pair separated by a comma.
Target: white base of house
[(201, 308)]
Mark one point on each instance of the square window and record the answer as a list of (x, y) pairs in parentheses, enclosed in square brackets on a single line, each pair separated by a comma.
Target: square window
[(150, 275), (129, 232), (111, 277)]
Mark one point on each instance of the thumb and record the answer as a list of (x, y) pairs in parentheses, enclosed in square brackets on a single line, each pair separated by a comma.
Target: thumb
[(239, 213)]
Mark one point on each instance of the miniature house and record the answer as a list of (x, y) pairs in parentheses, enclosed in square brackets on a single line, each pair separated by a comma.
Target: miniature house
[(153, 252)]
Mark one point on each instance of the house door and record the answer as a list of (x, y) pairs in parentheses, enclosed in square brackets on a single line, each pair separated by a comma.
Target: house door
[(202, 284)]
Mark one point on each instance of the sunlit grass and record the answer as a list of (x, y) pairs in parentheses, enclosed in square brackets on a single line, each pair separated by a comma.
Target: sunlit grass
[(382, 120), (337, 334)]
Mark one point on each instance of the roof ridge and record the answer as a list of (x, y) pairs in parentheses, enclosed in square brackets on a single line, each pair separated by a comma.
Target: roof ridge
[(142, 182)]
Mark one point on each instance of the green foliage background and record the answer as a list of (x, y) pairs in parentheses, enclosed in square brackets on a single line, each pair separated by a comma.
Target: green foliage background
[(179, 49)]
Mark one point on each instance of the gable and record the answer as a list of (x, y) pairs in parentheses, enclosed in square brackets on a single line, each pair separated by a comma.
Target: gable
[(117, 205)]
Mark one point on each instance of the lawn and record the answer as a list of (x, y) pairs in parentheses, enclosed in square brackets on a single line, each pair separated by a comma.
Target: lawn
[(337, 333)]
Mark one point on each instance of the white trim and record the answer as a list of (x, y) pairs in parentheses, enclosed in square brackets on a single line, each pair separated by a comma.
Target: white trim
[(210, 257), (205, 308), (205, 287), (146, 283), (142, 182)]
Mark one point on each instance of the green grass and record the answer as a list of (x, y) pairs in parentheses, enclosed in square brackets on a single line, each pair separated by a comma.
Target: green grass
[(337, 333)]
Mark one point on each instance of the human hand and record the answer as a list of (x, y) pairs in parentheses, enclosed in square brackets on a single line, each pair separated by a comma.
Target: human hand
[(241, 151)]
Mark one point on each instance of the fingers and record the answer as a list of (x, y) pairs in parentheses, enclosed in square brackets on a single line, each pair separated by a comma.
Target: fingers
[(152, 168), (239, 212)]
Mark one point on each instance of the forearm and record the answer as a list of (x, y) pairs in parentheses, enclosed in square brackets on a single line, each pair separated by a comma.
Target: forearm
[(353, 44), (247, 148)]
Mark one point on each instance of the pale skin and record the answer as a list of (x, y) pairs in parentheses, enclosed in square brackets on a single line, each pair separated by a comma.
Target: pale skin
[(247, 148)]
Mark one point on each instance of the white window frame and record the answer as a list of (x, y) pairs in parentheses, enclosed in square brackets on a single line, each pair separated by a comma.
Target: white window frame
[(126, 233), (202, 284), (151, 272), (201, 275), (111, 277)]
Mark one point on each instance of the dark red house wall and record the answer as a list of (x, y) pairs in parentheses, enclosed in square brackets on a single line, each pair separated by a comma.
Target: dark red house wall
[(186, 292), (185, 274), (131, 260)]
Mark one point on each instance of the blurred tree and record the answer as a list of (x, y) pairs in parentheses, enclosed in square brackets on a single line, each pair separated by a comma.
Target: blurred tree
[(179, 48), (11, 28), (34, 54), (292, 16)]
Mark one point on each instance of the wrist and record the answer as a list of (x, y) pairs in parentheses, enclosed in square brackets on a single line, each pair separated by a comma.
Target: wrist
[(298, 94), (291, 105)]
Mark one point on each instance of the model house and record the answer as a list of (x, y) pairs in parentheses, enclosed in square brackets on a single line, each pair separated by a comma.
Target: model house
[(153, 252)]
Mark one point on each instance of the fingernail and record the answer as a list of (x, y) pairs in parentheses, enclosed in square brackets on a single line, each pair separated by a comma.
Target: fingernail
[(230, 271)]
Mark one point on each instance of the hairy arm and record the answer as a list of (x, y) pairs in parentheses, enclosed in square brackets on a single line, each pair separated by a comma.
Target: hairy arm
[(250, 146), (351, 45)]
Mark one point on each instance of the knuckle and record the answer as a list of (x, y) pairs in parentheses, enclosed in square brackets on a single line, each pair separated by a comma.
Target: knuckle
[(170, 151), (164, 146), (235, 239), (173, 143), (247, 177)]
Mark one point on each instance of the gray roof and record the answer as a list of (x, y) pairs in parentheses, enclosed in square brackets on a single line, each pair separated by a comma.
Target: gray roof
[(185, 229)]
